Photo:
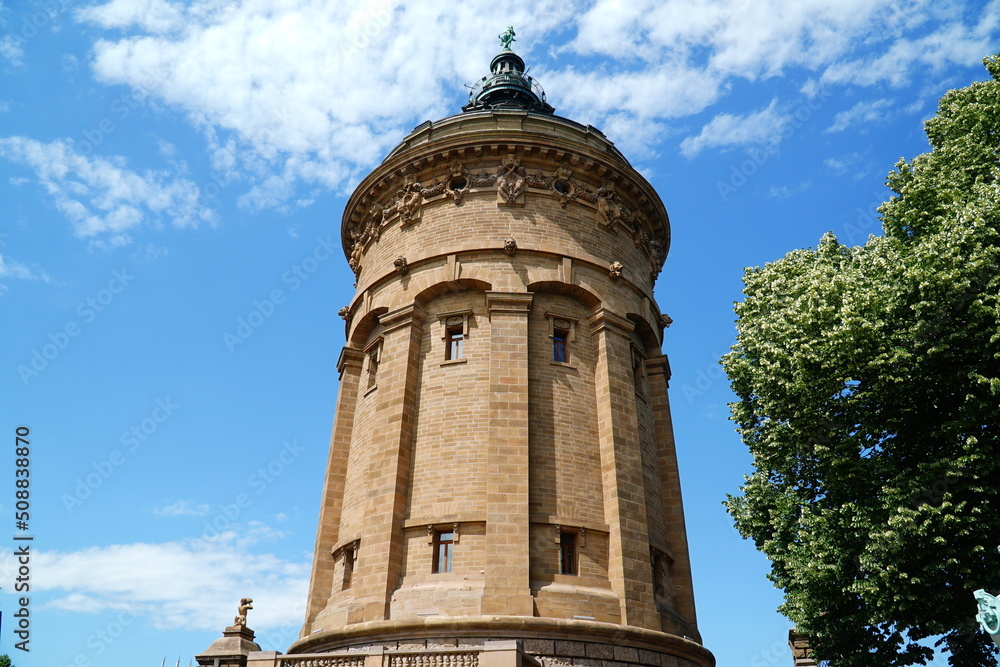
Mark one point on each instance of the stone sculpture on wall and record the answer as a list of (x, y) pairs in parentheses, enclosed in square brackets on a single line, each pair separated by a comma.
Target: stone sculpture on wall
[(511, 183), (408, 201), (609, 206)]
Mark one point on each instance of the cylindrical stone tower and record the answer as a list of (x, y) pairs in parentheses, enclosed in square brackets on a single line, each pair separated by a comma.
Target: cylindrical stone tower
[(502, 484)]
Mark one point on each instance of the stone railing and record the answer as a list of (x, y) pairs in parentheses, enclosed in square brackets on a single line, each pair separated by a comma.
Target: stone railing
[(321, 660), (463, 658), (492, 654)]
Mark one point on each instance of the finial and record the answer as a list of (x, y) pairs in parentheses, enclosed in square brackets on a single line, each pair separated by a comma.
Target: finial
[(507, 37)]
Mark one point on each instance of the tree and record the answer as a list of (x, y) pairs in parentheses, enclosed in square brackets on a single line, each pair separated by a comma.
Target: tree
[(868, 386), (5, 660)]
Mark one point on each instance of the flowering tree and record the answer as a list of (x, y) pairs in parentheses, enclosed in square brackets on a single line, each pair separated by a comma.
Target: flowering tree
[(868, 381)]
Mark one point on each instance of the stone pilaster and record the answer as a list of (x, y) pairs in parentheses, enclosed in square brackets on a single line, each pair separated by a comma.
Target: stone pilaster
[(658, 371), (381, 551), (506, 590), (629, 569), (321, 581)]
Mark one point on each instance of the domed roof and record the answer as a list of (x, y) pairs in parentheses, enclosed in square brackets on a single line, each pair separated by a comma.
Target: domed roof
[(508, 87)]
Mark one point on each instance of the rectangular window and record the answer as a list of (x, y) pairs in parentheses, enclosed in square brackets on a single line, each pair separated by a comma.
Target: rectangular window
[(455, 329), (372, 367), (453, 341), (567, 553), (443, 546), (348, 568), (638, 369), (559, 351), (562, 331)]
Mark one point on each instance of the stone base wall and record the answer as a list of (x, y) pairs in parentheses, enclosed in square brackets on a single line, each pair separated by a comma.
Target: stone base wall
[(544, 642), (562, 653)]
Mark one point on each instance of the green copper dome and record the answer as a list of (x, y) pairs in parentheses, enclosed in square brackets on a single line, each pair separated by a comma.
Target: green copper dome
[(508, 87)]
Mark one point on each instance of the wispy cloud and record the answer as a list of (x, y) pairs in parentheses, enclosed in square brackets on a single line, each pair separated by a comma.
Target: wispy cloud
[(863, 113), (760, 128), (182, 508), (175, 585), (786, 191), (311, 93), (11, 50), (858, 165), (102, 196), (11, 269)]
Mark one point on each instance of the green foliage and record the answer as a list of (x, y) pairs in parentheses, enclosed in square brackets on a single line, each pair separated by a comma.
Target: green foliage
[(5, 660), (868, 381)]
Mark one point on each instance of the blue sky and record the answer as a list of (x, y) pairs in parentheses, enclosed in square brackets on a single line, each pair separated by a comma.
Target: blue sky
[(169, 169)]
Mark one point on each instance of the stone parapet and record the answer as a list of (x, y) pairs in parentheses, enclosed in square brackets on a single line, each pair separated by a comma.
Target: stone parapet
[(551, 642)]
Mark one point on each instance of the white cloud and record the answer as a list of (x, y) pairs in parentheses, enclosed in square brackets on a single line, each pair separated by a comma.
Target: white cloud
[(953, 41), (193, 584), (760, 128), (12, 269), (786, 191), (101, 196), (307, 90), (863, 113), (11, 49), (858, 164), (156, 16), (181, 508), (314, 92)]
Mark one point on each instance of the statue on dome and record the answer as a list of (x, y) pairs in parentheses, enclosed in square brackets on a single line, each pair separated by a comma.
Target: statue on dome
[(507, 37)]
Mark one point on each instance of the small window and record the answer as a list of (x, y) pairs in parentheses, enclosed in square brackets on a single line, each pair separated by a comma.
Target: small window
[(559, 350), (348, 568), (443, 546), (638, 369), (567, 553), (455, 329), (372, 367), (562, 331), (454, 336)]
